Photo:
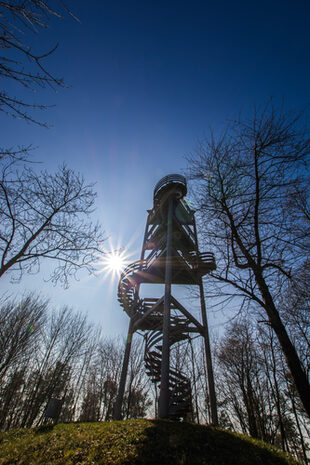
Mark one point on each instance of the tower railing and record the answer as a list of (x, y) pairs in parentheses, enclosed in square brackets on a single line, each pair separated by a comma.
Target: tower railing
[(170, 179)]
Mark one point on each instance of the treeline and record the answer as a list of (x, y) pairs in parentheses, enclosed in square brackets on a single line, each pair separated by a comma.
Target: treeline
[(48, 353), (251, 193), (255, 391)]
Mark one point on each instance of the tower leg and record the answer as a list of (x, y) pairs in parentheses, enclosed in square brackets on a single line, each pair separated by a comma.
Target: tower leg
[(121, 389), (212, 394), (164, 379)]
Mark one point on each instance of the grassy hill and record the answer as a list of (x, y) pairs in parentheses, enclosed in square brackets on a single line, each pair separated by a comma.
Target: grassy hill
[(135, 442)]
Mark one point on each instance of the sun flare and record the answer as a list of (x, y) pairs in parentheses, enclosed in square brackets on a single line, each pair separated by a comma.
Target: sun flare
[(115, 258), (115, 262)]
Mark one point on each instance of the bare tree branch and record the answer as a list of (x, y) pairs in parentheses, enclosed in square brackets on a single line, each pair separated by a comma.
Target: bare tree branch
[(19, 21), (252, 195), (46, 215)]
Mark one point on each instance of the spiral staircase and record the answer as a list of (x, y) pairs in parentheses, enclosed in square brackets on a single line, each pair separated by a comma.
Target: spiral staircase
[(187, 265)]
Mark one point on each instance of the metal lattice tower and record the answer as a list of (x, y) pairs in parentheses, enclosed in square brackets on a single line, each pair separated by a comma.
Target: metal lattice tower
[(169, 256)]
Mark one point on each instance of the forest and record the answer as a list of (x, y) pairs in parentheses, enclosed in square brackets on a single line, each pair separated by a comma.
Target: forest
[(48, 353)]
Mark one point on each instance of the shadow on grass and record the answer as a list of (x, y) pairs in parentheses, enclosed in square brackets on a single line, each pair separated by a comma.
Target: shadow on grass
[(44, 429), (168, 442)]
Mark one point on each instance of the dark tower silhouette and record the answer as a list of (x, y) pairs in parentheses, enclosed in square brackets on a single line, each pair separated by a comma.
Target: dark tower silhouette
[(169, 256)]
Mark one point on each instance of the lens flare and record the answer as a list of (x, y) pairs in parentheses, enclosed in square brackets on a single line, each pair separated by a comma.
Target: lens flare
[(115, 262)]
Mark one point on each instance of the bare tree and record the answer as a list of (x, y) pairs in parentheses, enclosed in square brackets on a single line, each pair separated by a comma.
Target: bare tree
[(244, 383), (295, 306), (136, 399), (46, 353), (20, 23), (101, 380), (255, 392), (46, 216), (41, 353), (243, 181), (62, 341), (19, 324)]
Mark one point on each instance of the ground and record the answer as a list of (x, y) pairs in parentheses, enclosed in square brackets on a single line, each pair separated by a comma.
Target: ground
[(135, 442)]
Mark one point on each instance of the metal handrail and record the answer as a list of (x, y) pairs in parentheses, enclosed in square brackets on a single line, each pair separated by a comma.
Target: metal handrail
[(170, 179)]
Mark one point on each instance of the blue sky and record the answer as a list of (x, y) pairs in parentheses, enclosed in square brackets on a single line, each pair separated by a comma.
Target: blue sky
[(148, 80)]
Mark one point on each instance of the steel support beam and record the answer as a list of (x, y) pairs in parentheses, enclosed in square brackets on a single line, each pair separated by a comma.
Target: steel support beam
[(148, 313), (164, 380), (190, 317), (121, 389), (206, 338)]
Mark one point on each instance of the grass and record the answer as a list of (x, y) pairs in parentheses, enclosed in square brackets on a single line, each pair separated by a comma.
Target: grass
[(135, 442)]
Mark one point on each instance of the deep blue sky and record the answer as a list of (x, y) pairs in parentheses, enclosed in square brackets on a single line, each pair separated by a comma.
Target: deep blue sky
[(147, 80)]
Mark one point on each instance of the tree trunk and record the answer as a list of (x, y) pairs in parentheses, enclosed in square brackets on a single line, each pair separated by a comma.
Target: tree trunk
[(292, 359)]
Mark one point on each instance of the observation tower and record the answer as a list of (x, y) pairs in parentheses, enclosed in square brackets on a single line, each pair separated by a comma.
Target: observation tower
[(169, 256)]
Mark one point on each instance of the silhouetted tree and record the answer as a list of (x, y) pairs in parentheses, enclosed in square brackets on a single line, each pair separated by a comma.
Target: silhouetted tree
[(63, 340), (46, 216), (295, 304), (255, 394), (243, 381), (42, 353), (102, 380), (21, 61), (20, 324), (244, 180), (136, 400)]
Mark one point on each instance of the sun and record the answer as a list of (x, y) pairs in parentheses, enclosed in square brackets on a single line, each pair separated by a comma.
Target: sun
[(115, 262), (114, 259)]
